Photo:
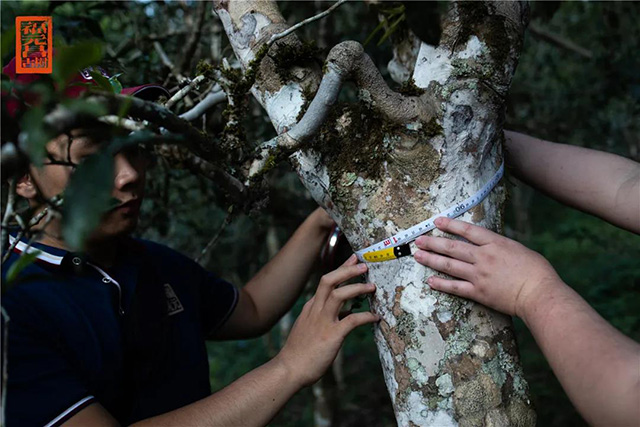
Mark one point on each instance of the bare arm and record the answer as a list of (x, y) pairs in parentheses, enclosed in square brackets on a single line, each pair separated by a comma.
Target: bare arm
[(599, 183), (272, 292), (252, 400), (598, 367), (255, 398)]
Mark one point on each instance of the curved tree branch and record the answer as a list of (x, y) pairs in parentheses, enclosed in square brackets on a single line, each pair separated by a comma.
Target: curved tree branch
[(346, 60)]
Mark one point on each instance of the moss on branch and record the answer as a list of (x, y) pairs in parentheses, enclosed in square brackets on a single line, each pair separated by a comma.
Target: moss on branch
[(293, 54)]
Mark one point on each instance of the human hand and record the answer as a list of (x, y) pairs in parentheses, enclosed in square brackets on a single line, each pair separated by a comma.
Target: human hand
[(318, 333), (496, 271)]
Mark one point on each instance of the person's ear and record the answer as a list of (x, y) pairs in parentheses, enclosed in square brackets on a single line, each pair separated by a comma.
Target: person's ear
[(26, 188)]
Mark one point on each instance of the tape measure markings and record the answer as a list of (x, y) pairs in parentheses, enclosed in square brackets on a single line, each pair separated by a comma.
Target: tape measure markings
[(397, 245)]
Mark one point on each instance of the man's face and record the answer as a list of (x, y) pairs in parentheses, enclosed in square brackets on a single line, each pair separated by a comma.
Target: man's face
[(128, 183)]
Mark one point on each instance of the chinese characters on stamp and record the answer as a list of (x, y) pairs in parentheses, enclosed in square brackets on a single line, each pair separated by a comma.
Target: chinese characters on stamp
[(34, 47)]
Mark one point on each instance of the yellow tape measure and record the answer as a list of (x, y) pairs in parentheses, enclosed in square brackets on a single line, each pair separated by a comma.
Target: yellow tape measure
[(397, 245), (387, 254)]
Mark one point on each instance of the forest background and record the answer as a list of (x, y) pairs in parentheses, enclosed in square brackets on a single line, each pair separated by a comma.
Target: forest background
[(577, 82)]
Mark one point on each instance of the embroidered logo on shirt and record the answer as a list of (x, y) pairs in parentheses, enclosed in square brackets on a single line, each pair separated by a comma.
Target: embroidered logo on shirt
[(174, 305)]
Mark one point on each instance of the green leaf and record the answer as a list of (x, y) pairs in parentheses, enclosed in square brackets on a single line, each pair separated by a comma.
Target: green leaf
[(86, 198), (70, 60), (115, 83), (24, 261), (102, 81)]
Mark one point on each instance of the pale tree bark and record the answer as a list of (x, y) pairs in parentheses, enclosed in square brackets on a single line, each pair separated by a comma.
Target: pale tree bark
[(389, 163)]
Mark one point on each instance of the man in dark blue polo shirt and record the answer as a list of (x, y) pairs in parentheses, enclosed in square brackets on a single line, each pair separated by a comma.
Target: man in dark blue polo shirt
[(115, 335)]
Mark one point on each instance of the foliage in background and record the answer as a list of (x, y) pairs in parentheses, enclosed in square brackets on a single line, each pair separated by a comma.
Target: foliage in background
[(556, 94)]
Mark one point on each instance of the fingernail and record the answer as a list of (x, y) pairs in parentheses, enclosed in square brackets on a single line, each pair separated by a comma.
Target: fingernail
[(438, 221), (371, 285), (362, 267), (430, 280), (420, 240)]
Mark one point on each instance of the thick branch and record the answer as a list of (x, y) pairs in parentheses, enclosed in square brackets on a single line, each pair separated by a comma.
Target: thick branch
[(480, 41), (351, 60)]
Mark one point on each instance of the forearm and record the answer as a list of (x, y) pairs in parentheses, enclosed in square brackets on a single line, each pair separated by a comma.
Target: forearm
[(599, 183), (279, 283), (252, 400), (598, 367)]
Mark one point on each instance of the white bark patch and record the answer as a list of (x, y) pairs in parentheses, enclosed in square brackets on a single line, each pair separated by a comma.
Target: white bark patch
[(417, 301), (444, 316), (432, 65), (440, 419), (473, 49), (435, 64), (421, 415), (284, 106), (428, 350), (387, 276)]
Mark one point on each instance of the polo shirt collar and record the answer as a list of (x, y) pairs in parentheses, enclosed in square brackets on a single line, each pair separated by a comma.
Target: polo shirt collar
[(56, 257), (69, 262), (46, 254)]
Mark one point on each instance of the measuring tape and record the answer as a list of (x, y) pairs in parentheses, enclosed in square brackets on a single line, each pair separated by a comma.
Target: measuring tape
[(397, 245)]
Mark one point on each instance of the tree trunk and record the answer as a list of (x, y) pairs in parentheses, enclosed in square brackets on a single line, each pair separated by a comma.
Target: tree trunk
[(392, 161)]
